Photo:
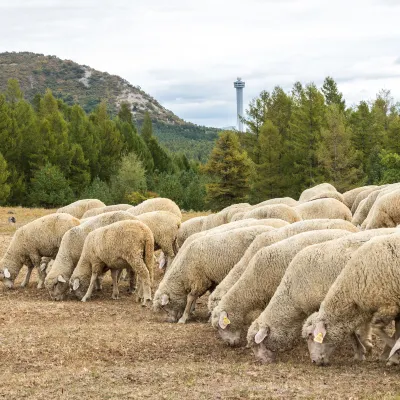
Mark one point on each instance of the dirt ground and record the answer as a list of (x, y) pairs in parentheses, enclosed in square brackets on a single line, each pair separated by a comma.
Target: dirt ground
[(107, 349)]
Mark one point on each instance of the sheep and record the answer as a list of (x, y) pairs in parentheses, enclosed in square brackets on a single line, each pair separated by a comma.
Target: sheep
[(386, 212), (70, 251), (351, 195), (101, 210), (315, 190), (323, 208), (366, 291), (329, 195), (300, 293), (267, 239), (203, 264), (248, 297), (41, 237), (157, 204), (279, 200), (123, 244), (189, 228), (78, 208), (363, 195), (281, 211), (164, 226), (233, 211)]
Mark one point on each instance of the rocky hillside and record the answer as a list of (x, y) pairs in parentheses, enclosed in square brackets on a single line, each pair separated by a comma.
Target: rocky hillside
[(76, 83), (81, 84)]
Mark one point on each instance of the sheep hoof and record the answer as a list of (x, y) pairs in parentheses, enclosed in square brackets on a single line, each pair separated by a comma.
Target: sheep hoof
[(182, 321), (115, 297), (84, 300), (23, 285)]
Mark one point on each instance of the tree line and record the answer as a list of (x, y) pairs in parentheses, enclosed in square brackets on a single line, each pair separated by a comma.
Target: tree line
[(298, 139), (52, 153)]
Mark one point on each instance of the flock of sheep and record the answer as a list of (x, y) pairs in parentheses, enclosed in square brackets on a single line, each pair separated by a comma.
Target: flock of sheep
[(323, 268)]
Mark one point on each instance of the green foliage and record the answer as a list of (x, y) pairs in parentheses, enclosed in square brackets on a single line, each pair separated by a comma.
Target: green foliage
[(49, 188), (98, 190), (390, 163), (130, 178), (147, 128), (230, 168), (4, 187), (332, 94)]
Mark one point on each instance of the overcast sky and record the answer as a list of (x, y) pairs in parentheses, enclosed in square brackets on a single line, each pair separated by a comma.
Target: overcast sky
[(187, 53)]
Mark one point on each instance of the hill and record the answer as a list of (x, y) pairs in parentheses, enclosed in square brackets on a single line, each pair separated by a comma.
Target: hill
[(75, 83)]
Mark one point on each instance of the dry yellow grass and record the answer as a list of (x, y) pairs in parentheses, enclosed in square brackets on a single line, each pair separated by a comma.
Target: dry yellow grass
[(107, 349)]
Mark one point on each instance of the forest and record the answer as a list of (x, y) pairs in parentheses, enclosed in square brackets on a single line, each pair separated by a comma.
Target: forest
[(52, 153)]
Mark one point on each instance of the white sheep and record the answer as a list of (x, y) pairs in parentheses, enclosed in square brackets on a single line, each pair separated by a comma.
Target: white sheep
[(351, 195), (157, 204), (329, 195), (266, 239), (280, 211), (248, 297), (366, 291), (203, 264), (323, 208), (37, 239), (362, 196), (316, 190), (300, 293), (101, 210), (124, 244), (189, 228), (71, 246), (385, 212), (78, 208)]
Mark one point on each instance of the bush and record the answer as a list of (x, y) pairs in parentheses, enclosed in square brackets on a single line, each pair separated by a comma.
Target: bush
[(98, 190), (49, 188), (135, 198)]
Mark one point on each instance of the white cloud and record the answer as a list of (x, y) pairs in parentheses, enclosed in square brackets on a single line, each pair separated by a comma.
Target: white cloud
[(187, 53)]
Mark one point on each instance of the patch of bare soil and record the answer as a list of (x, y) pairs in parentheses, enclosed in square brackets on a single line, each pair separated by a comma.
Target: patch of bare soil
[(107, 349)]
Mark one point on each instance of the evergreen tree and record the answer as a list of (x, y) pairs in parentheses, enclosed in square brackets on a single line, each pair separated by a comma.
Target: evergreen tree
[(147, 128), (332, 94), (79, 171), (390, 165), (162, 161), (339, 161), (125, 113), (98, 190), (4, 186), (230, 168)]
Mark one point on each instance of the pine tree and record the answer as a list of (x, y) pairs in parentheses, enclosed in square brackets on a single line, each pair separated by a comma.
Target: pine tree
[(332, 94), (125, 113), (4, 186), (79, 171), (147, 128), (339, 161), (268, 180), (307, 120), (230, 167), (162, 161)]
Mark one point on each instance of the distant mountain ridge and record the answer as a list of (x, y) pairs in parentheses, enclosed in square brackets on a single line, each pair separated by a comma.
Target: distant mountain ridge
[(75, 83)]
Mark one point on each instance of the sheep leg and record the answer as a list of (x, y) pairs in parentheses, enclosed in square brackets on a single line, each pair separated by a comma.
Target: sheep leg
[(115, 273), (359, 349), (91, 287), (27, 277), (99, 285), (132, 281), (365, 332), (190, 303), (395, 359)]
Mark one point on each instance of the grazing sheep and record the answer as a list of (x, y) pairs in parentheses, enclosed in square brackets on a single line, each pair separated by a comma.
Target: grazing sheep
[(366, 291), (267, 239), (362, 196), (78, 208), (323, 208), (124, 244), (386, 211), (37, 239), (248, 297), (157, 204), (203, 264), (280, 211), (71, 248), (101, 210), (164, 226), (316, 190), (189, 228), (279, 200), (351, 195), (233, 211), (329, 195), (301, 291)]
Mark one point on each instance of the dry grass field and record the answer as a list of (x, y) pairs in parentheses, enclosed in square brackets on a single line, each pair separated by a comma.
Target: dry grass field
[(107, 349)]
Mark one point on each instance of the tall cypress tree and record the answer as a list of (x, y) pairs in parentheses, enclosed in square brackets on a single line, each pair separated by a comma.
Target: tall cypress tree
[(147, 128)]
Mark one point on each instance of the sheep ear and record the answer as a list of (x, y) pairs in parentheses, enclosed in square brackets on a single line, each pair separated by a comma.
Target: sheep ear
[(394, 350), (6, 273), (76, 284), (261, 335), (319, 332), (164, 299), (162, 261), (60, 278), (223, 320)]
